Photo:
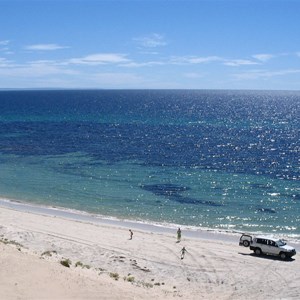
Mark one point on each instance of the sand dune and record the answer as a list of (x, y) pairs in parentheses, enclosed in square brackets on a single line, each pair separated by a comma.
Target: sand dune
[(147, 267)]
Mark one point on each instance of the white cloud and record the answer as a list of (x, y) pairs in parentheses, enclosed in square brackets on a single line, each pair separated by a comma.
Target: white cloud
[(99, 59), (45, 47), (133, 64), (151, 41), (263, 57), (4, 43), (227, 62), (146, 52), (5, 63), (6, 50), (194, 59), (34, 69), (239, 62), (210, 59), (4, 47), (265, 74)]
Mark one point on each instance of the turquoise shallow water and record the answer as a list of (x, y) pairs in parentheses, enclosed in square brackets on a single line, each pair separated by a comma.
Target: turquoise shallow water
[(230, 202), (162, 157)]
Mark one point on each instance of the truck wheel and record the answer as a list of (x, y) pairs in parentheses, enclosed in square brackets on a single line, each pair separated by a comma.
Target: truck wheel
[(257, 251), (246, 243), (282, 255)]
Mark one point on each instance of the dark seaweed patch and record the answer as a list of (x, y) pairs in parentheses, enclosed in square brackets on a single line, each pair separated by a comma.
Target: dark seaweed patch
[(165, 189), (189, 200), (173, 192)]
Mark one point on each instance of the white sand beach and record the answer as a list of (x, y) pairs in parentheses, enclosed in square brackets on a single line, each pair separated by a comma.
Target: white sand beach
[(111, 266)]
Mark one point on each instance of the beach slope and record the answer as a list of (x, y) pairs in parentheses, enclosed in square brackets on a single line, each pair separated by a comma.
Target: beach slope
[(104, 263)]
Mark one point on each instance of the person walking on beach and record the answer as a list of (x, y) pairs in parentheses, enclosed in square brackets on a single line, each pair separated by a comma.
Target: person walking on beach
[(183, 251), (131, 234), (178, 235)]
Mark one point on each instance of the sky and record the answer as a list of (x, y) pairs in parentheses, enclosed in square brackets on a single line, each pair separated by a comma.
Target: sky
[(150, 44)]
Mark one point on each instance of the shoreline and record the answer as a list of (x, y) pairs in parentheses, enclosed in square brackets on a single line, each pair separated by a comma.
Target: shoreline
[(103, 260), (164, 228), (168, 228)]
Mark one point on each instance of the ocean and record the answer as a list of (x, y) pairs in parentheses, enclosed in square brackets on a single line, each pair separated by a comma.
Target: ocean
[(217, 160)]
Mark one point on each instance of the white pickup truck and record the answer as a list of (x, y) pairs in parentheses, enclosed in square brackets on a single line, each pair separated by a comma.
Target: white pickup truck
[(267, 245)]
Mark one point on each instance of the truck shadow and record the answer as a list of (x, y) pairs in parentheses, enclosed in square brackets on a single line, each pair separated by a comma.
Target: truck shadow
[(269, 257)]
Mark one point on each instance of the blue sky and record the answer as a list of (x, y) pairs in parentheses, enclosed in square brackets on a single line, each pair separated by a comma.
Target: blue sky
[(140, 44)]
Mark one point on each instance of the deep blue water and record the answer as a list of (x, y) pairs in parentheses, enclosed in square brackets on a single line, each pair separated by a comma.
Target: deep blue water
[(217, 159)]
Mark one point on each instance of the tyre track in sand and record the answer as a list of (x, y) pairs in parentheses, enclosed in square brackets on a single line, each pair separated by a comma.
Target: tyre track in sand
[(272, 277), (246, 272), (224, 269), (197, 267)]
